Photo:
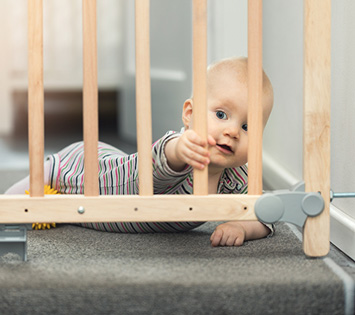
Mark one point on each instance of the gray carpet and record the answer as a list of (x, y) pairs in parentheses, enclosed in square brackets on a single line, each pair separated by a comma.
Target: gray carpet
[(72, 270)]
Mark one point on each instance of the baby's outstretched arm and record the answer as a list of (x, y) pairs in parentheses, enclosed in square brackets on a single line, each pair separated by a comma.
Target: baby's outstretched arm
[(190, 149), (235, 233)]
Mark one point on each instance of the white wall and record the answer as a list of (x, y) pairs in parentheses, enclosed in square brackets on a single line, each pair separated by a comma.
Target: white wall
[(342, 123), (227, 29), (283, 62), (343, 102)]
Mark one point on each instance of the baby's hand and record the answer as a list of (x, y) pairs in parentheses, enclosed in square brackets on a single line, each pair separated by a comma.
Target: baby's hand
[(192, 150), (228, 234)]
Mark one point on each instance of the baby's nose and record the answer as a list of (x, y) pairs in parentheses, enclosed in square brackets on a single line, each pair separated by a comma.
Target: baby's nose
[(233, 131)]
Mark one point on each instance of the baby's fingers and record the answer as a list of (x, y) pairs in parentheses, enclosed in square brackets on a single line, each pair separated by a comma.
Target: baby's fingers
[(239, 241), (194, 138), (216, 238), (220, 238), (196, 160)]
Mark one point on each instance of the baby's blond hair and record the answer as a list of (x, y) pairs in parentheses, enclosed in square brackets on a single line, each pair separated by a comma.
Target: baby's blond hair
[(239, 66)]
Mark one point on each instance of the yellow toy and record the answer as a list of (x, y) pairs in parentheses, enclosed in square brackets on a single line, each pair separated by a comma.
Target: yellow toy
[(43, 226)]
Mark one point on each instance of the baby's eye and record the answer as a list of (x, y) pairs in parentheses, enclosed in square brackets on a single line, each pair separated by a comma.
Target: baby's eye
[(221, 115), (245, 127)]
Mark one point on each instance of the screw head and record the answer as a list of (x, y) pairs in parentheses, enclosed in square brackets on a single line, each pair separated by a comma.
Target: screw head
[(81, 210)]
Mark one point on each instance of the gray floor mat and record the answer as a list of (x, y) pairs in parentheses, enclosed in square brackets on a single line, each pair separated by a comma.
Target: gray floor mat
[(71, 269)]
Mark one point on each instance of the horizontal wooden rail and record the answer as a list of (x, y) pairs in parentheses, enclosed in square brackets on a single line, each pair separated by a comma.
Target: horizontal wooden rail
[(64, 208)]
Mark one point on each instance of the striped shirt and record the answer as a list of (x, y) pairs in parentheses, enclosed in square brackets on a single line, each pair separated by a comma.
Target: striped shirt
[(118, 175)]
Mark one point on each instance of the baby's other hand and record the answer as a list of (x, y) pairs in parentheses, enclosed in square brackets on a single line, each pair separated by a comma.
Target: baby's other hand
[(228, 234)]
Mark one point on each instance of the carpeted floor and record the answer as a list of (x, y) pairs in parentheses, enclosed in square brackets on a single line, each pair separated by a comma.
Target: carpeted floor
[(72, 270)]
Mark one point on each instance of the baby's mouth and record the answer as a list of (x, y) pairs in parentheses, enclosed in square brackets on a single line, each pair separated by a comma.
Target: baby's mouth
[(225, 147)]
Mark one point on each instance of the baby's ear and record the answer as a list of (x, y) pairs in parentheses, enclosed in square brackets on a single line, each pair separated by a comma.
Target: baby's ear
[(187, 114)]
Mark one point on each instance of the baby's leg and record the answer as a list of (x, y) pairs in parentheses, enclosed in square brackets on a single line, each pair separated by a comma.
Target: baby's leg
[(21, 186)]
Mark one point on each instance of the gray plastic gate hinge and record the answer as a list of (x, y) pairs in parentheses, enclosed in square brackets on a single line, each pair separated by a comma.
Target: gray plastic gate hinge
[(289, 206), (13, 239)]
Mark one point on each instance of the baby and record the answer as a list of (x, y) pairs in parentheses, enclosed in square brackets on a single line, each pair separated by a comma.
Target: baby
[(174, 157)]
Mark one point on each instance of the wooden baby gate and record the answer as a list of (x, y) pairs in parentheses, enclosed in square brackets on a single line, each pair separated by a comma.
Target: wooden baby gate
[(200, 206)]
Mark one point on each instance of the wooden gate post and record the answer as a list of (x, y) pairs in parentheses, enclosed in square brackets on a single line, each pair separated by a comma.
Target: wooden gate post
[(316, 141)]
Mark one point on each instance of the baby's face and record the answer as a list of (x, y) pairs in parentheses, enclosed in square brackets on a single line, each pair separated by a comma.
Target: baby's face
[(227, 105)]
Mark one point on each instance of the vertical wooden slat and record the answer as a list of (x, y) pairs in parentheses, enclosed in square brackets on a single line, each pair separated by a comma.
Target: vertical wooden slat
[(255, 111), (35, 97), (316, 142), (200, 86), (143, 98), (90, 99)]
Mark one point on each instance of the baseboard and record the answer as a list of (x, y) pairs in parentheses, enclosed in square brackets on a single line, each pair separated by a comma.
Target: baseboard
[(342, 231), (342, 226), (276, 176)]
